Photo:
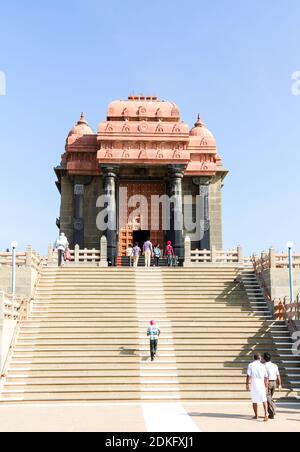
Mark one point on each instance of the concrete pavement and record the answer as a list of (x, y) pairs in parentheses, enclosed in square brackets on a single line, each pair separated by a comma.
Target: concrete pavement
[(210, 417)]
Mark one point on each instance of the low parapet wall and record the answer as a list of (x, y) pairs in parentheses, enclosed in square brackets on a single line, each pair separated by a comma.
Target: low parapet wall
[(278, 282), (27, 270), (273, 269), (9, 312), (201, 258)]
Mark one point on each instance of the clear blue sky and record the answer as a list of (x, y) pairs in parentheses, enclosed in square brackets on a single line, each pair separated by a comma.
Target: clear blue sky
[(230, 60)]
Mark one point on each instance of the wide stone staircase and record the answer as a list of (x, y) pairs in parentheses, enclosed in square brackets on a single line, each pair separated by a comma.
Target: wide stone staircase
[(85, 339)]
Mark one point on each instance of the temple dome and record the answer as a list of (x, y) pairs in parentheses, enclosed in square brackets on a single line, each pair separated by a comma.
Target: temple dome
[(143, 107), (201, 132), (82, 128)]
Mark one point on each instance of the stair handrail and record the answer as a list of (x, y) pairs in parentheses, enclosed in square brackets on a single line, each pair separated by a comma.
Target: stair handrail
[(42, 264), (287, 310), (258, 273), (23, 315)]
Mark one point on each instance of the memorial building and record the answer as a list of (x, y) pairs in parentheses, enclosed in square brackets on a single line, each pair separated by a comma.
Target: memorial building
[(142, 149)]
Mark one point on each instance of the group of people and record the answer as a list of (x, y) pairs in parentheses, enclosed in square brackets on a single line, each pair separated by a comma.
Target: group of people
[(150, 252), (263, 378)]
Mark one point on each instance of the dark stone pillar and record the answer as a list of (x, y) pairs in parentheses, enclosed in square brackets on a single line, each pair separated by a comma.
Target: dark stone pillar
[(176, 174), (110, 177), (79, 215), (203, 211), (204, 193)]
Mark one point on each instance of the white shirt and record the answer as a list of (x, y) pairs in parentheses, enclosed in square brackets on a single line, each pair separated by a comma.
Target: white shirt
[(257, 371), (62, 243), (273, 371), (129, 252)]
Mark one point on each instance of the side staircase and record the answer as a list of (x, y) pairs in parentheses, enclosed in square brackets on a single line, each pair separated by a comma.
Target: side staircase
[(85, 340)]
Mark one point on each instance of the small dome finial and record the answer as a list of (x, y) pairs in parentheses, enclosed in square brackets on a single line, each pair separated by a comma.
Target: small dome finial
[(82, 119), (199, 122), (82, 127)]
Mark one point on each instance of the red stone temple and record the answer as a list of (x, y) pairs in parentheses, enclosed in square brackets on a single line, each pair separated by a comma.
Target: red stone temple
[(144, 146)]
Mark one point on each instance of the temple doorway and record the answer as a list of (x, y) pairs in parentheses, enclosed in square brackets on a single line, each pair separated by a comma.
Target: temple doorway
[(141, 237), (132, 230)]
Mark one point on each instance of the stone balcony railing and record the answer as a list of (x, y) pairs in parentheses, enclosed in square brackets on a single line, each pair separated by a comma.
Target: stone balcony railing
[(273, 260), (30, 258), (28, 265), (83, 256), (214, 256)]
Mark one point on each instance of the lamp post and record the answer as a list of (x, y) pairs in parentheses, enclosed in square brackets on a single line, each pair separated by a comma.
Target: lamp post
[(290, 247), (14, 246)]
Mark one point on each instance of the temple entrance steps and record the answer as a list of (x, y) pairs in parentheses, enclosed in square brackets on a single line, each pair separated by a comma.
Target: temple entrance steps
[(125, 262), (85, 339)]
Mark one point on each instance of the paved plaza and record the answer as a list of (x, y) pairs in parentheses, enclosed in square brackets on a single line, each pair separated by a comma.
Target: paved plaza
[(154, 418)]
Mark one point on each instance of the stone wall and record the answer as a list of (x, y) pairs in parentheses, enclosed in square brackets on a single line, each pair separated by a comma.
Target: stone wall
[(67, 207), (95, 189), (278, 282), (91, 193), (215, 209), (189, 188), (25, 280), (91, 233)]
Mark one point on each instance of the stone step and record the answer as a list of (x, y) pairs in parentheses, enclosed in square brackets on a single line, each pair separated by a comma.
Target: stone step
[(137, 349), (195, 334), (123, 387), (150, 378), (126, 283), (152, 396), (22, 383), (180, 365), (132, 304), (122, 373), (160, 317), (121, 312), (118, 272), (81, 341), (200, 343), (181, 356), (86, 338), (176, 323)]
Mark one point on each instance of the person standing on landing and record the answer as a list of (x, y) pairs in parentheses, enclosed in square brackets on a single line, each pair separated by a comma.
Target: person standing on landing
[(61, 245), (258, 382), (169, 254), (129, 254), (148, 253), (136, 252), (153, 332), (157, 255), (274, 383)]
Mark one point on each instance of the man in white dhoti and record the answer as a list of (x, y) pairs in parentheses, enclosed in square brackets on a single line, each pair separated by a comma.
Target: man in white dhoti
[(258, 382)]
